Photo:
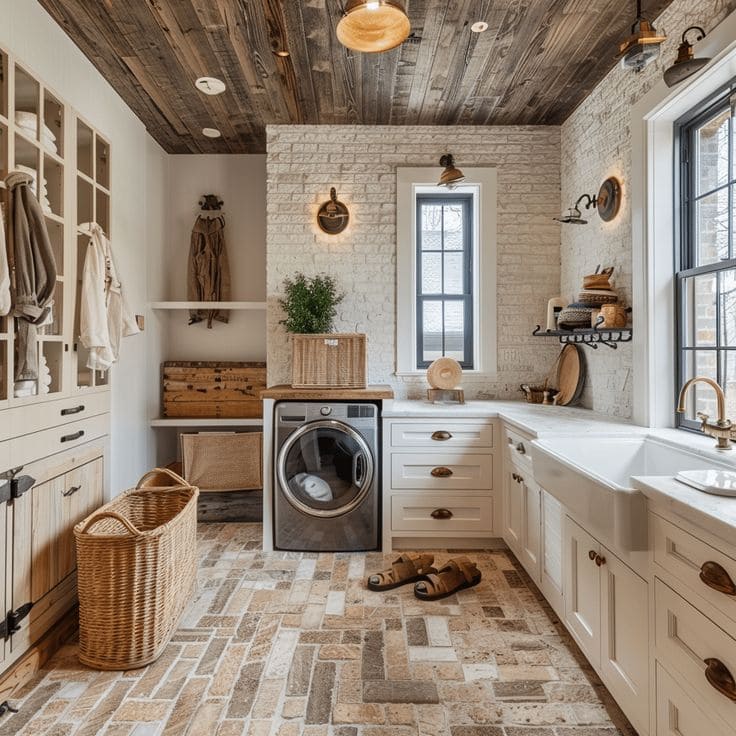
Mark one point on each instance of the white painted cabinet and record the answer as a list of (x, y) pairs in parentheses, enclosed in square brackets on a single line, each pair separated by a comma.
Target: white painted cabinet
[(530, 526), (607, 611), (583, 590), (512, 507), (550, 562)]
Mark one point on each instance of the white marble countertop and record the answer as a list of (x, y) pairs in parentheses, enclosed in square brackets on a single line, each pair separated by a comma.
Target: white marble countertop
[(716, 514), (536, 419)]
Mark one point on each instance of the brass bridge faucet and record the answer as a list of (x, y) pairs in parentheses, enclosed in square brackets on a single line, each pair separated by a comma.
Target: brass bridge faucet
[(723, 430)]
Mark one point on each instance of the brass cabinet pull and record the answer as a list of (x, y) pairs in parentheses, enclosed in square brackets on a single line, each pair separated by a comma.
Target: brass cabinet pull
[(720, 678), (441, 472), (600, 560), (441, 435), (71, 491), (592, 554), (515, 477), (72, 410), (716, 577), (521, 449), (441, 514)]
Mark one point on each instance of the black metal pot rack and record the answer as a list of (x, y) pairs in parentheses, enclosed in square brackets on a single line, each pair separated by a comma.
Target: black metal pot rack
[(590, 336)]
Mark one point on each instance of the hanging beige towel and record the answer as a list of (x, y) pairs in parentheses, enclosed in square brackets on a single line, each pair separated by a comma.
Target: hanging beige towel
[(104, 316), (208, 277), (5, 301), (33, 270)]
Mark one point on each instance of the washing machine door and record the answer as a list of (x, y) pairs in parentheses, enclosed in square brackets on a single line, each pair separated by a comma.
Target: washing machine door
[(325, 468)]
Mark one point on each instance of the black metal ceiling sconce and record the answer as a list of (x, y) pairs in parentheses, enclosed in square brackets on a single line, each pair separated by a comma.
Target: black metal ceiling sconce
[(685, 64), (607, 203), (333, 216)]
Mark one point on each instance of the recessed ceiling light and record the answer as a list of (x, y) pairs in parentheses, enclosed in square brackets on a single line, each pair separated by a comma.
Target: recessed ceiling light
[(210, 85), (211, 132), (479, 27), (281, 53)]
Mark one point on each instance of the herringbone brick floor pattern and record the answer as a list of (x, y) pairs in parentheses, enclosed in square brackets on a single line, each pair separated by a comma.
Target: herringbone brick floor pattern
[(283, 644)]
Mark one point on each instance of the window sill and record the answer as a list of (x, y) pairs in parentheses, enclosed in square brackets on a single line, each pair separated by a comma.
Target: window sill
[(423, 372)]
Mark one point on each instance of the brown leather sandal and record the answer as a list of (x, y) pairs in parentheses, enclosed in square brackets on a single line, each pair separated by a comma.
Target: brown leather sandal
[(458, 574), (405, 569)]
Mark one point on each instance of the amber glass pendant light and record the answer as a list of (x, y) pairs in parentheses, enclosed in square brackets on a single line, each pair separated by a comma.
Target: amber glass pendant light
[(372, 26)]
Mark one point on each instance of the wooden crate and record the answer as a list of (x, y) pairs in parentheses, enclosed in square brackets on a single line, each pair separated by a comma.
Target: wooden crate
[(213, 390), (332, 360)]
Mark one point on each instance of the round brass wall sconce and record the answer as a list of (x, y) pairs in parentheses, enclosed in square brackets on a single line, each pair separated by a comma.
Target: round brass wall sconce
[(609, 199), (333, 215)]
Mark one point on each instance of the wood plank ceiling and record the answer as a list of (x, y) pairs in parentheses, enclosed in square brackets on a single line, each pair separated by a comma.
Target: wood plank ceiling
[(535, 64)]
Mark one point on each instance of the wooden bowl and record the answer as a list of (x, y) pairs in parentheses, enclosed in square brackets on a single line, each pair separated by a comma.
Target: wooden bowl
[(444, 373)]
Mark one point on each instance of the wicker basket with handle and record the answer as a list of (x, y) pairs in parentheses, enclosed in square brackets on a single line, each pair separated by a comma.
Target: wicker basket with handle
[(136, 570)]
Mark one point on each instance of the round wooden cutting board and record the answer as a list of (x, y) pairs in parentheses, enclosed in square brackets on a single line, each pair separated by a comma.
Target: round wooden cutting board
[(444, 373), (570, 375)]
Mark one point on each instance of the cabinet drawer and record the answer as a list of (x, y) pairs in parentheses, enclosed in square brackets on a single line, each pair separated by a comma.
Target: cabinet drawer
[(22, 420), (519, 447), (441, 435), (685, 639), (50, 441), (413, 512), (442, 471), (678, 715), (687, 558)]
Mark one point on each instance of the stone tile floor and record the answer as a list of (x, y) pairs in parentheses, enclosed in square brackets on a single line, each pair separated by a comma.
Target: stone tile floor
[(285, 644)]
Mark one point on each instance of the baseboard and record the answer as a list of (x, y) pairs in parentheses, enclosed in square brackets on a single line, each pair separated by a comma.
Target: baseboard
[(23, 669)]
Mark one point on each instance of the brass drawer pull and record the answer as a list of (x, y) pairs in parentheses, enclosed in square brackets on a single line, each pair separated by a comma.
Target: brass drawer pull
[(441, 472), (71, 491), (716, 577), (600, 560), (441, 435), (441, 514), (592, 555), (72, 410), (720, 678), (521, 449), (71, 437)]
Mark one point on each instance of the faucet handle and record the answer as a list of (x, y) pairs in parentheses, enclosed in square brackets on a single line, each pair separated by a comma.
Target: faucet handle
[(703, 417)]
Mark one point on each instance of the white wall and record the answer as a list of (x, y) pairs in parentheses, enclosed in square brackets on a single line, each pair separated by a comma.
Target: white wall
[(597, 143), (137, 215), (361, 162), (240, 181)]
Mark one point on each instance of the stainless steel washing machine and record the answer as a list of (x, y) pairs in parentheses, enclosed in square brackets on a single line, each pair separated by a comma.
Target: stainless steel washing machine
[(327, 479)]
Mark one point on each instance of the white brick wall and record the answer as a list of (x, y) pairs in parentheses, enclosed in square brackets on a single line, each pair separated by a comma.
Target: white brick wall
[(596, 143), (360, 161)]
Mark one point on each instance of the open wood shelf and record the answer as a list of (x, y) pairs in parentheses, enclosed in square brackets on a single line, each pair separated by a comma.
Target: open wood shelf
[(255, 306), (205, 422)]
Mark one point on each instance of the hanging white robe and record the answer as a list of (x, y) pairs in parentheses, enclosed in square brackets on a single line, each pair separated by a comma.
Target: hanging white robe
[(5, 302), (105, 317)]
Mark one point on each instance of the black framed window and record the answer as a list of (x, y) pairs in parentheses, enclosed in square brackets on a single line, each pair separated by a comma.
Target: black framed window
[(706, 257), (444, 257)]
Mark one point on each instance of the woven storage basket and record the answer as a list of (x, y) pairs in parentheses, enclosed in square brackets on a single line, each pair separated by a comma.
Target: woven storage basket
[(331, 360), (136, 570), (214, 461)]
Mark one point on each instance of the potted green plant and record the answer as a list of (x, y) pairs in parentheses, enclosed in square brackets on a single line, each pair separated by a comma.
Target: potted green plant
[(320, 358)]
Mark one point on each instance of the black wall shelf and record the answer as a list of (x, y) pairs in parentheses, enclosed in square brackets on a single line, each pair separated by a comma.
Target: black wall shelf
[(590, 336)]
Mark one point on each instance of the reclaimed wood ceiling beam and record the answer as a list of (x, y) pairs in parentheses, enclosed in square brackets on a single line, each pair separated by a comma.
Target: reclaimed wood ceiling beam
[(538, 60)]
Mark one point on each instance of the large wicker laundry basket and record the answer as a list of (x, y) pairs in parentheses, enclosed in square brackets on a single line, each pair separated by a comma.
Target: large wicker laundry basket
[(136, 569)]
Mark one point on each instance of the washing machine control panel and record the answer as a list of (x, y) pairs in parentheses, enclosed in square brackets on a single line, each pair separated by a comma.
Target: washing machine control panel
[(325, 411)]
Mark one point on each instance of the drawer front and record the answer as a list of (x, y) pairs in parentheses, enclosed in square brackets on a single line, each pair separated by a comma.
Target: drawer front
[(442, 471), (440, 436), (678, 715), (519, 448), (55, 440), (413, 512), (24, 420), (687, 558), (691, 645)]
